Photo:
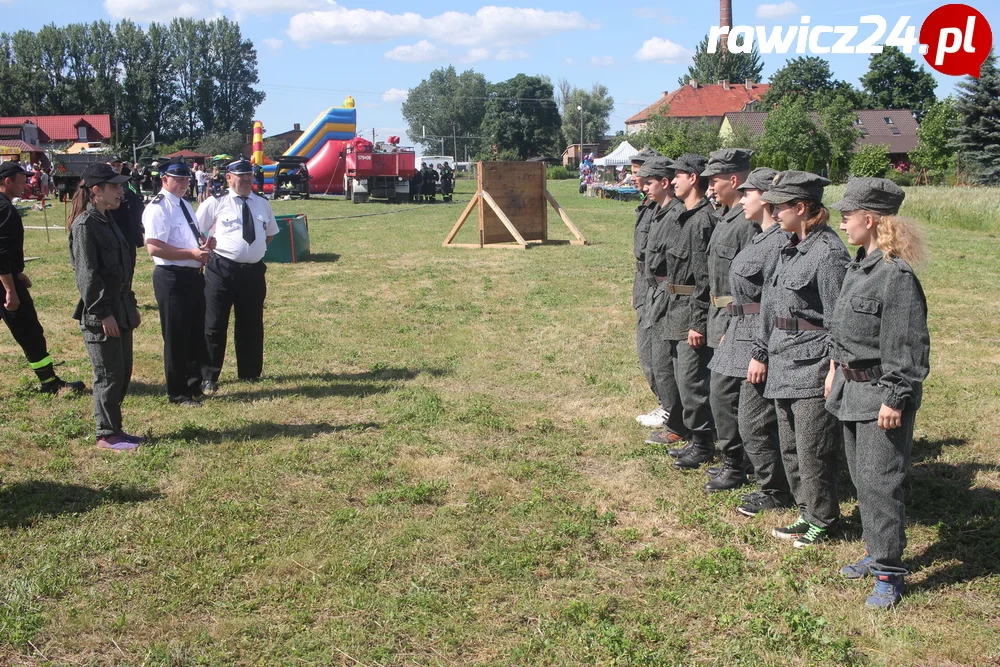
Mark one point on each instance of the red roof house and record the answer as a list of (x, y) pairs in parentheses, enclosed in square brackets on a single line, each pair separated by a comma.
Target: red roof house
[(61, 129), (696, 101)]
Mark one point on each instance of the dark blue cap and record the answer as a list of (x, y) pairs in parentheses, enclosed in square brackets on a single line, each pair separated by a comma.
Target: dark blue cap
[(175, 167), (241, 166)]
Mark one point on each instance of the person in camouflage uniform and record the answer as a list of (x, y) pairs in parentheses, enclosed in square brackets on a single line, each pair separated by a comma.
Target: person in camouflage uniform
[(881, 351)]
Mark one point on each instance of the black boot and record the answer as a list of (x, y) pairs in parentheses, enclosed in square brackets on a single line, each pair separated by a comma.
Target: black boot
[(680, 451), (731, 476), (700, 451)]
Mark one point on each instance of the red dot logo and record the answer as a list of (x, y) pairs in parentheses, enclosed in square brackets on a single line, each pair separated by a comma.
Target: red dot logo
[(956, 40)]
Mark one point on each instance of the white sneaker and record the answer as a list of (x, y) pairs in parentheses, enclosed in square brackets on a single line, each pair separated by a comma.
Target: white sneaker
[(654, 419)]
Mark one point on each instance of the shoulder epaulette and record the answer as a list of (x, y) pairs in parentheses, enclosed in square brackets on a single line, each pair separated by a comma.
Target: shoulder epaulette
[(157, 199)]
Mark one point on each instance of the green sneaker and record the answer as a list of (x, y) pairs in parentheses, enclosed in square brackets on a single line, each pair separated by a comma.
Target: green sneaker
[(813, 536), (792, 531)]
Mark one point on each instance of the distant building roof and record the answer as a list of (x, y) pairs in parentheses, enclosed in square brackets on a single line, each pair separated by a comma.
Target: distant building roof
[(63, 128), (20, 145), (695, 100), (894, 128)]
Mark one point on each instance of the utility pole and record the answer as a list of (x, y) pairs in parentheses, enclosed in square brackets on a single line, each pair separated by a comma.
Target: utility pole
[(454, 138), (579, 107)]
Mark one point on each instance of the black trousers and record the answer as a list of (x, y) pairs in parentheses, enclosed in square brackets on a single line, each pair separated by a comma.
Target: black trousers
[(724, 397), (112, 361), (24, 325), (241, 288), (682, 383), (180, 296)]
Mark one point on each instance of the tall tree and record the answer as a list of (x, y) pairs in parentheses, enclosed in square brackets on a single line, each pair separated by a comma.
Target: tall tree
[(234, 71), (936, 150), (450, 106), (104, 61), (893, 81), (29, 88), (978, 138), (723, 66), (837, 127), (189, 42), (791, 139), (672, 137), (809, 79), (522, 116), (597, 106)]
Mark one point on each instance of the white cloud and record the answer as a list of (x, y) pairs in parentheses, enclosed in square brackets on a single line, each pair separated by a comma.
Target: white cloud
[(475, 55), (153, 10), (272, 43), (420, 52), (511, 54), (163, 10), (395, 95), (570, 61), (781, 11), (500, 26), (662, 51), (602, 61)]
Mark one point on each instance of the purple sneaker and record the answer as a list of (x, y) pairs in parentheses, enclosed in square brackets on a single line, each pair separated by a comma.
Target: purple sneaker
[(115, 443), (137, 439)]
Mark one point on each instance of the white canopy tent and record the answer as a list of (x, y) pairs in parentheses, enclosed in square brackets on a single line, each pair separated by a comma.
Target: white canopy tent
[(619, 157)]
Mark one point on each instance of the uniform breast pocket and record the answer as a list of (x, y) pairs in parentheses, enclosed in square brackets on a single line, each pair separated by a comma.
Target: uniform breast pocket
[(680, 252), (726, 252), (748, 269), (801, 291), (866, 315)]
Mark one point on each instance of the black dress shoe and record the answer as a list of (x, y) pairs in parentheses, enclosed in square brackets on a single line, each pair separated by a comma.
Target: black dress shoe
[(730, 477), (698, 454), (209, 387)]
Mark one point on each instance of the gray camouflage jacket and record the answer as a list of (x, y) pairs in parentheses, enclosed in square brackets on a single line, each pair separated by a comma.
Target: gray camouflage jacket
[(732, 233), (750, 270), (103, 267), (644, 213), (805, 285), (881, 316)]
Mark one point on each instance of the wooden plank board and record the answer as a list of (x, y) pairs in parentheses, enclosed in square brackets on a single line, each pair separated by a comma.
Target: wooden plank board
[(461, 220), (580, 240), (518, 189)]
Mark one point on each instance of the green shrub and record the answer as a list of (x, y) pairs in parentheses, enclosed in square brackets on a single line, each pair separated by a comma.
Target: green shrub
[(902, 178), (870, 160), (560, 173)]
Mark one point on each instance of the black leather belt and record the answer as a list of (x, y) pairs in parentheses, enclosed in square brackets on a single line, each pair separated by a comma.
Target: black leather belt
[(737, 309), (866, 374), (796, 324)]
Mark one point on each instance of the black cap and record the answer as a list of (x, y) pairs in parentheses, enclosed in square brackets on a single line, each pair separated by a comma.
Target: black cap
[(793, 185), (879, 195), (690, 163), (759, 179), (10, 169), (114, 158), (241, 166), (96, 174), (728, 161), (656, 167), (175, 167), (645, 154)]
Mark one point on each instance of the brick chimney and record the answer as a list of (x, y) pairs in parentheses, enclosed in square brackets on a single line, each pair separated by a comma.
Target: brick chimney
[(724, 84), (725, 20), (694, 83), (749, 84), (297, 127)]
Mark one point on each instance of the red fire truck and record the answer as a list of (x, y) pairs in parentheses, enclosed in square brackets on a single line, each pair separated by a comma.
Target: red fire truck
[(380, 171)]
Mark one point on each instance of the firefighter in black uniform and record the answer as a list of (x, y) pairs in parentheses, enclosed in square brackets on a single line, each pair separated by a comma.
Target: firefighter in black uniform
[(447, 182), (17, 309), (128, 216), (416, 182)]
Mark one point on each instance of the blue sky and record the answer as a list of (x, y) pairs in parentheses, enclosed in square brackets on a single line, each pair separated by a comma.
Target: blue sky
[(314, 52)]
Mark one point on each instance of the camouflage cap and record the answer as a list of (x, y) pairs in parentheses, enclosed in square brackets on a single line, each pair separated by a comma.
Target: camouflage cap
[(759, 179), (644, 155), (728, 161), (656, 167), (690, 163), (879, 195), (791, 185)]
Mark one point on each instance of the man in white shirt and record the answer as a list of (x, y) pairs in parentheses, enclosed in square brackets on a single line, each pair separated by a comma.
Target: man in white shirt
[(242, 224), (179, 251), (201, 177)]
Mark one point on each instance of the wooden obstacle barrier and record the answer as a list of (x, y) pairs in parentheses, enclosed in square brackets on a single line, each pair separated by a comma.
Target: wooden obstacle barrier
[(512, 198)]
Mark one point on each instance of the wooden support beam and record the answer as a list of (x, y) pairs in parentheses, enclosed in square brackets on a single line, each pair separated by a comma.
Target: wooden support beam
[(580, 240), (504, 219), (461, 221)]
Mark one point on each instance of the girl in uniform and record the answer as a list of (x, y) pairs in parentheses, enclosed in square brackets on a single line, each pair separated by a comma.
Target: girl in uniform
[(792, 351), (880, 359), (107, 312)]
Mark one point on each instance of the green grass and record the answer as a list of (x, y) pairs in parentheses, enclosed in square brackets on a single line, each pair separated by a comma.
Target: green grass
[(441, 468)]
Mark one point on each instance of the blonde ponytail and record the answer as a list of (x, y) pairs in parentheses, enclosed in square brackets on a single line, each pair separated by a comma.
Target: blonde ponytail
[(901, 237)]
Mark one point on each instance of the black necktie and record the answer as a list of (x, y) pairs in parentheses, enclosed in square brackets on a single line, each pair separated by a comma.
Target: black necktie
[(249, 233)]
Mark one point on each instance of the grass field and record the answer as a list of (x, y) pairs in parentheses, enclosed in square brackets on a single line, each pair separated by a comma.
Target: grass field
[(441, 467)]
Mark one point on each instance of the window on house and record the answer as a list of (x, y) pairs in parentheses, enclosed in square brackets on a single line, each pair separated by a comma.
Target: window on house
[(81, 133), (888, 121), (895, 130)]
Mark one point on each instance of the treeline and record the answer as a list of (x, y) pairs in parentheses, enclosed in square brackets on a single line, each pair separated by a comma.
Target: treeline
[(181, 80)]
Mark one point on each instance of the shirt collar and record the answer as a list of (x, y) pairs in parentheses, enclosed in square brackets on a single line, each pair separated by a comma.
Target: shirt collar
[(732, 213), (171, 197), (865, 261), (803, 245), (767, 233)]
